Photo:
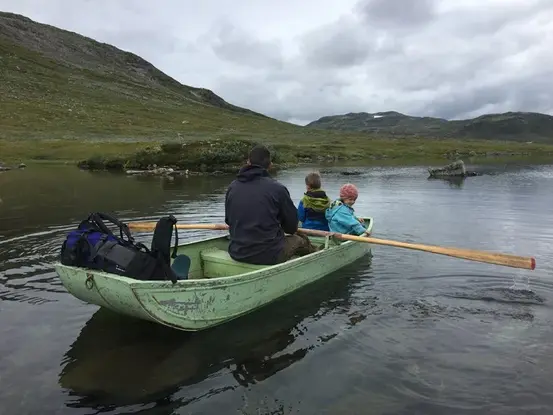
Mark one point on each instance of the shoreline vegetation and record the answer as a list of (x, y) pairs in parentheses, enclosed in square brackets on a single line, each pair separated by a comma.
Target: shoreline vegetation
[(226, 155), (67, 98)]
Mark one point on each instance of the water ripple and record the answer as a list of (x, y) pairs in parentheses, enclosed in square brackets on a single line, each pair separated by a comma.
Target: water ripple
[(403, 332)]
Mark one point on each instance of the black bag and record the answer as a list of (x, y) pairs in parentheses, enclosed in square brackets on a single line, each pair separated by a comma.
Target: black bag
[(93, 245)]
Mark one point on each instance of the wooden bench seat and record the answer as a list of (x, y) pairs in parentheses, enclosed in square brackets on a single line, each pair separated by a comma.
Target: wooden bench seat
[(218, 263)]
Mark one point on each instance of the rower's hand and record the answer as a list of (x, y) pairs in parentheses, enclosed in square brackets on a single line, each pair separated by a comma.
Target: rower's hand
[(361, 220)]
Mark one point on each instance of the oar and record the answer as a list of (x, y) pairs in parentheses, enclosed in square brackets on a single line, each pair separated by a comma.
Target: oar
[(507, 260)]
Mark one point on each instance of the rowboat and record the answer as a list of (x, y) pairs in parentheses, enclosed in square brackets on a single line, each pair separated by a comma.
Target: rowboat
[(217, 289)]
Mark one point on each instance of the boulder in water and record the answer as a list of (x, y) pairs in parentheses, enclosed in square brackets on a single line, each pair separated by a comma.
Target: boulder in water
[(455, 169)]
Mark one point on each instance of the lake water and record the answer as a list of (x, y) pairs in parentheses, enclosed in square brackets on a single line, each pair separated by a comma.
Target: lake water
[(406, 333)]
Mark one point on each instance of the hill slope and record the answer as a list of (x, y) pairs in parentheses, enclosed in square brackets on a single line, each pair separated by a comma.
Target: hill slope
[(59, 82), (514, 126), (78, 98)]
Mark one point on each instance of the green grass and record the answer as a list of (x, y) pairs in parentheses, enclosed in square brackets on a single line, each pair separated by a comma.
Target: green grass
[(290, 149), (12, 151), (68, 98)]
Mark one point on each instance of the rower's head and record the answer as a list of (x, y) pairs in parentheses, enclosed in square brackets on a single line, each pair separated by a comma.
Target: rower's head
[(260, 156)]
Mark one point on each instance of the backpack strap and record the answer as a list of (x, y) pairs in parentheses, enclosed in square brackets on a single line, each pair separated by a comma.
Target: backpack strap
[(176, 246), (161, 241), (169, 272), (98, 219)]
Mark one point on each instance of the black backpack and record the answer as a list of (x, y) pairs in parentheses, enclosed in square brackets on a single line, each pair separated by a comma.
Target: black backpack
[(93, 245)]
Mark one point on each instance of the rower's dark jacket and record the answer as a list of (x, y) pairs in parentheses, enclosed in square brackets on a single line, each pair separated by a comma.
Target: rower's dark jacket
[(259, 211)]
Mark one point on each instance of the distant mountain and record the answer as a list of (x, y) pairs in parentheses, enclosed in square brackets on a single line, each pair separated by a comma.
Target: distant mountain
[(513, 126)]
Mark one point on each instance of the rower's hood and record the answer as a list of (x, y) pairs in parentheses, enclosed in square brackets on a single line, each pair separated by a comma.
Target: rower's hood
[(251, 172)]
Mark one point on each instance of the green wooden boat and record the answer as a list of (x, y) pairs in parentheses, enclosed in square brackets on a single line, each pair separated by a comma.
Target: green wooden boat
[(218, 289)]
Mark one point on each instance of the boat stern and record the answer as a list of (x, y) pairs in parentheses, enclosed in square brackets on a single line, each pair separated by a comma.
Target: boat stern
[(102, 289)]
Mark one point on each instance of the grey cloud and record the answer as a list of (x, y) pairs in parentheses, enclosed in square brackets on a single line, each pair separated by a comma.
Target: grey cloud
[(143, 41), (463, 70), (443, 58), (521, 94), (494, 18), (304, 100), (346, 43), (397, 13), (341, 44), (461, 103), (239, 47)]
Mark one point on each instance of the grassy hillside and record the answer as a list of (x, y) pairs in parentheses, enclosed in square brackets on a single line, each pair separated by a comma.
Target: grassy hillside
[(64, 96), (60, 84), (511, 126)]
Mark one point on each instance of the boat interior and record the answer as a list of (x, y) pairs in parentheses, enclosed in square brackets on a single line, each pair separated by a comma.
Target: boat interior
[(210, 259)]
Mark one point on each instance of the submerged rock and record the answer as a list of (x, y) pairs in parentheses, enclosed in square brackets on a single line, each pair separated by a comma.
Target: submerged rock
[(342, 172), (351, 173)]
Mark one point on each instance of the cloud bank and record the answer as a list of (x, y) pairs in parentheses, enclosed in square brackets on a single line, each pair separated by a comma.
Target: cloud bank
[(298, 61)]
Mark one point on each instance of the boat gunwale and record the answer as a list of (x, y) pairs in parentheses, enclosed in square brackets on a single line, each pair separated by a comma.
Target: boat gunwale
[(218, 282)]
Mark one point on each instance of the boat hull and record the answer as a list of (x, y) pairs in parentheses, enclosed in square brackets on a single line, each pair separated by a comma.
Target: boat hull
[(200, 303)]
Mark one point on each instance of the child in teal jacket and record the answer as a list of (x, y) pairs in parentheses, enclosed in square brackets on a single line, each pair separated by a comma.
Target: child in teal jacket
[(340, 215)]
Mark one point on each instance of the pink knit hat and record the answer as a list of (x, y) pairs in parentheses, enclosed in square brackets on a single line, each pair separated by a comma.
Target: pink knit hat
[(348, 191)]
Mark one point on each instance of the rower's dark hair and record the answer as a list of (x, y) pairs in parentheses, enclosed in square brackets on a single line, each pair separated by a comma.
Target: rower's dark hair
[(260, 156)]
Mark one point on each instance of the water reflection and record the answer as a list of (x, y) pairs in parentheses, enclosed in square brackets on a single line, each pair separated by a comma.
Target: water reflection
[(453, 182), (45, 196), (117, 360), (406, 332)]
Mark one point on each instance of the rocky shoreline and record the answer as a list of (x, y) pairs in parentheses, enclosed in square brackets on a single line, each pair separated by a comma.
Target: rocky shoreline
[(169, 172)]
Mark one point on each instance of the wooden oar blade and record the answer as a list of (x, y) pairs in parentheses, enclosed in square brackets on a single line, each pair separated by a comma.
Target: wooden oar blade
[(508, 260)]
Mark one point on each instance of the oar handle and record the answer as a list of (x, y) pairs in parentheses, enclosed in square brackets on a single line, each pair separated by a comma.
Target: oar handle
[(150, 226), (507, 260)]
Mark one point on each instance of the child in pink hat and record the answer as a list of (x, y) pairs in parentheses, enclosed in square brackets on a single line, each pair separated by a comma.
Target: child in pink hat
[(341, 216)]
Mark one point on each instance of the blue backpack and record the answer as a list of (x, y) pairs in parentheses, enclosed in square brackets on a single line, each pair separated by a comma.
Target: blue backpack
[(93, 245)]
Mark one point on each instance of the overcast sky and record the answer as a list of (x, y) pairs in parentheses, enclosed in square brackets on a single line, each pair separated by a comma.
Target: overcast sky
[(303, 59)]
